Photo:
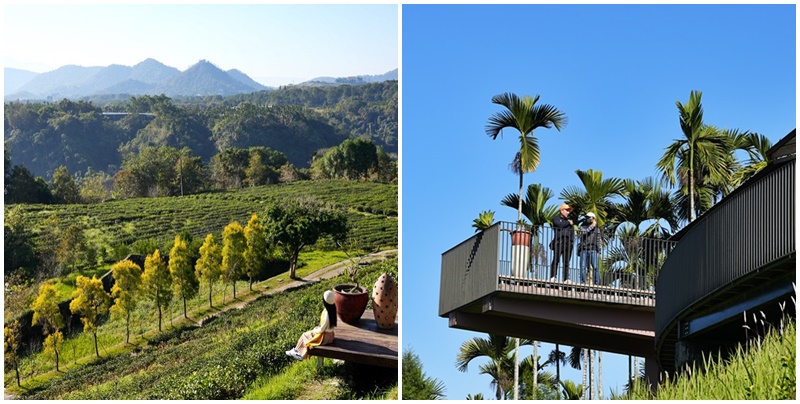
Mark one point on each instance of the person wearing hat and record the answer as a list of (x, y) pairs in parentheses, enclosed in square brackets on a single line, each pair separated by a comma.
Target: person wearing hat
[(563, 236), (591, 242), (321, 334)]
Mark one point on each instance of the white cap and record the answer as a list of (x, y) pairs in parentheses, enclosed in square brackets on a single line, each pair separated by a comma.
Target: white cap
[(329, 297), (590, 214)]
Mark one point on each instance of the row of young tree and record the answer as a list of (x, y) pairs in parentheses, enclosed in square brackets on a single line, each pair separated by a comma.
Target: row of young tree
[(167, 171), (243, 252)]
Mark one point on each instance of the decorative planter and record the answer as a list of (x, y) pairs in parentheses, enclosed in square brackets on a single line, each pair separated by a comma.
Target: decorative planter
[(350, 305), (384, 301), (520, 252)]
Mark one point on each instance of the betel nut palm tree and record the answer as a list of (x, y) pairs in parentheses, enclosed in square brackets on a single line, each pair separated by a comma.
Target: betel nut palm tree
[(703, 148), (525, 116)]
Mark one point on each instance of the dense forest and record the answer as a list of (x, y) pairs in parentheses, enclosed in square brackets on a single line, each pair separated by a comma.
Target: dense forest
[(99, 135)]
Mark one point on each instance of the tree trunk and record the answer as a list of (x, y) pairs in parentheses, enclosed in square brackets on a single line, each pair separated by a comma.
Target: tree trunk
[(599, 375), (585, 371), (96, 351), (535, 370), (234, 288), (16, 369), (558, 370), (209, 294), (691, 182), (184, 308), (56, 351), (159, 317), (592, 394), (251, 283), (128, 328), (516, 369)]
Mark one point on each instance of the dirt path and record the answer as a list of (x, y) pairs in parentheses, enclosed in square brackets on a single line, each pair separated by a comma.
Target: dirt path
[(321, 274)]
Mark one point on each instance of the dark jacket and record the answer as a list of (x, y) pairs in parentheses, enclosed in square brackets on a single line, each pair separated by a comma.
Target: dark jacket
[(591, 238), (562, 229)]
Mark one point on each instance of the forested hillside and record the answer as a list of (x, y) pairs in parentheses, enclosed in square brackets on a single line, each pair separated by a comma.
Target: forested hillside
[(296, 121)]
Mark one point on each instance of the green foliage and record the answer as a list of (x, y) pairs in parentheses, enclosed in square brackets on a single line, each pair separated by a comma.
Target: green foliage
[(208, 266), (416, 384), (302, 223), (46, 311), (64, 188), (255, 254), (763, 370), (21, 187), (354, 159), (157, 282), (11, 344), (234, 245), (184, 282), (127, 283), (90, 301)]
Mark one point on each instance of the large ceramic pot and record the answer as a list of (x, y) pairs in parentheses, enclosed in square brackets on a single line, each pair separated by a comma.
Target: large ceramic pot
[(350, 305), (384, 301), (520, 252)]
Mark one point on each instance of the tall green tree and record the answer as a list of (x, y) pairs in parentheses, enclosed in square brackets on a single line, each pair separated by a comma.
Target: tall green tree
[(73, 247), (11, 343), (127, 284), (208, 266), (702, 148), (293, 226), (90, 301), (64, 187), (498, 349), (46, 312), (596, 195), (157, 282), (255, 255), (184, 282), (233, 246), (525, 116), (416, 384), (756, 146)]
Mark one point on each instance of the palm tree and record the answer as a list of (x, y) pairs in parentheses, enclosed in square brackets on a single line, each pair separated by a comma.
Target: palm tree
[(558, 358), (497, 348), (702, 147), (756, 146), (484, 221), (570, 390), (577, 360), (524, 115), (595, 196), (645, 201), (478, 396)]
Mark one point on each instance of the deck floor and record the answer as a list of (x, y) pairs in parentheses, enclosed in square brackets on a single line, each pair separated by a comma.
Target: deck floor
[(364, 343)]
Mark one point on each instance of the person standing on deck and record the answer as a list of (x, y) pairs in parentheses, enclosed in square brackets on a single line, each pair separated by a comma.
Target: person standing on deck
[(562, 241), (591, 242)]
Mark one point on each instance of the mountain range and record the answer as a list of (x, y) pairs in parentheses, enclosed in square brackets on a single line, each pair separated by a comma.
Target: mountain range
[(149, 77)]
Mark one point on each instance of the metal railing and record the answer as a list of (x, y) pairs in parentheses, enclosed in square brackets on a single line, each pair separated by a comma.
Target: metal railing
[(499, 259)]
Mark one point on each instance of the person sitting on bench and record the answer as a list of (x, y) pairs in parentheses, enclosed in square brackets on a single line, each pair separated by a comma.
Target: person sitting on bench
[(321, 334)]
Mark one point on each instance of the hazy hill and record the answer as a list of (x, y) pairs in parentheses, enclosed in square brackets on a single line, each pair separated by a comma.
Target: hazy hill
[(354, 80), (14, 79), (148, 77)]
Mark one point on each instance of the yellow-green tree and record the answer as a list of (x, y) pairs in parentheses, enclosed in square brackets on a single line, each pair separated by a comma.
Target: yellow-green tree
[(157, 282), (46, 312), (184, 282), (256, 252), (127, 283), (90, 301), (11, 339), (208, 265), (233, 246)]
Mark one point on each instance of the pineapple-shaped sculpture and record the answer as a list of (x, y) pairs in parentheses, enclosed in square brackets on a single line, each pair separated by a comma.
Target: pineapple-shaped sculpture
[(384, 301)]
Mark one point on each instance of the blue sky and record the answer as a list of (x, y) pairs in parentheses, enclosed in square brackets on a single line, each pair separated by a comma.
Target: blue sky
[(273, 44), (615, 70)]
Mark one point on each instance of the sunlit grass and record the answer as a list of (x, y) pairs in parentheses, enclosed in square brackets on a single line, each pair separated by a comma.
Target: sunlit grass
[(764, 371)]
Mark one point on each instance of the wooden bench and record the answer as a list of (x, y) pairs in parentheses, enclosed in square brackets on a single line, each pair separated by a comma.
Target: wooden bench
[(364, 343)]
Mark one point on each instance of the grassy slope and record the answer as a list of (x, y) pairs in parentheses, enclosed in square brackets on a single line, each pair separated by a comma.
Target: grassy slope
[(766, 371)]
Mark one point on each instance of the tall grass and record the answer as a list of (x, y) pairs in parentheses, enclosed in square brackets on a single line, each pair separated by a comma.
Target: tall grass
[(765, 370)]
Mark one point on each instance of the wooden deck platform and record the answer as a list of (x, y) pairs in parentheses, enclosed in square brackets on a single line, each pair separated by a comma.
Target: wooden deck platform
[(364, 343)]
